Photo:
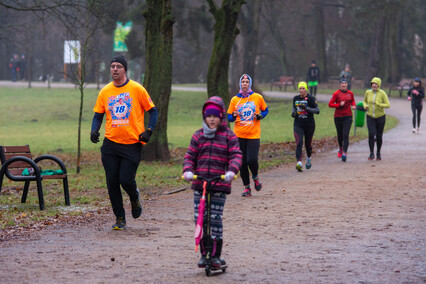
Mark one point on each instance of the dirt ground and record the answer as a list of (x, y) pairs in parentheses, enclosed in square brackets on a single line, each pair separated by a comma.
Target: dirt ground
[(355, 222)]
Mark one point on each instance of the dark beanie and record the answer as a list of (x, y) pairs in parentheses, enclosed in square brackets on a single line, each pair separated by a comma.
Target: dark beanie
[(120, 59)]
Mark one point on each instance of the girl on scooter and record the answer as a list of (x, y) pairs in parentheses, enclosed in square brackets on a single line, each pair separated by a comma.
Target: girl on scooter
[(213, 151)]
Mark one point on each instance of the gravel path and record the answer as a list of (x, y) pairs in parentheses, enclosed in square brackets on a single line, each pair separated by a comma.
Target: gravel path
[(355, 222)]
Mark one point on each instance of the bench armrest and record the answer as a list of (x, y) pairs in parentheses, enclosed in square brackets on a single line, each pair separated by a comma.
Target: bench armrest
[(52, 158)]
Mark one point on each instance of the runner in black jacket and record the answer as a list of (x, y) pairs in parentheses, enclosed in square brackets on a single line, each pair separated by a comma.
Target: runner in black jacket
[(304, 108), (416, 94)]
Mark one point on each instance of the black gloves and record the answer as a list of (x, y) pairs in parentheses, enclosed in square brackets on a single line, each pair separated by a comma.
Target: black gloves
[(145, 136), (94, 136), (293, 114), (259, 116)]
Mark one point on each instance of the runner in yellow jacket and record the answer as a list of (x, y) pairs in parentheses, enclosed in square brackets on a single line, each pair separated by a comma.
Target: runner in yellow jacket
[(375, 101)]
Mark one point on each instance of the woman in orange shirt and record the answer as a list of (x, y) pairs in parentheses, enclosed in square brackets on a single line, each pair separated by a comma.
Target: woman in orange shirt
[(247, 108)]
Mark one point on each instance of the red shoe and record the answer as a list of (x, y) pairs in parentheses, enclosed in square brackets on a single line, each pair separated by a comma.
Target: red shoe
[(257, 184), (339, 153), (247, 192)]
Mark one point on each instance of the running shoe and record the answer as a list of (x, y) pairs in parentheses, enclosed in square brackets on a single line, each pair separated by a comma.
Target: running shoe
[(378, 157), (339, 153), (299, 166), (257, 183), (247, 192), (418, 130), (344, 157), (120, 224), (371, 157), (414, 130), (308, 164), (136, 206)]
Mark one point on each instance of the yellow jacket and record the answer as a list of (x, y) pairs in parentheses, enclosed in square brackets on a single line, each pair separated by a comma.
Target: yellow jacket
[(376, 101)]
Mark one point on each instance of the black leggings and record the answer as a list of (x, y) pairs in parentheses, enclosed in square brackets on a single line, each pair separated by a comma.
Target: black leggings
[(343, 126), (299, 132), (375, 132), (417, 112), (120, 162), (250, 149)]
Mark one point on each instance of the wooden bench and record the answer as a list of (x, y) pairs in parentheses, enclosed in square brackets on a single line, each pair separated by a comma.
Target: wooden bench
[(403, 85), (15, 159), (284, 81)]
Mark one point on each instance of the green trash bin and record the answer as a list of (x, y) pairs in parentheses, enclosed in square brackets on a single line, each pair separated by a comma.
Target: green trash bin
[(360, 114)]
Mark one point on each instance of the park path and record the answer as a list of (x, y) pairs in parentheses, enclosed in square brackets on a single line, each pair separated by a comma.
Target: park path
[(355, 222)]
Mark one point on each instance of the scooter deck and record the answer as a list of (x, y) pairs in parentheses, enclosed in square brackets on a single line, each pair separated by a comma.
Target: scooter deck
[(210, 269)]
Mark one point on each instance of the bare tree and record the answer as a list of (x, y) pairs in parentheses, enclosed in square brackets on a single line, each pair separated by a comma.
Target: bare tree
[(83, 22)]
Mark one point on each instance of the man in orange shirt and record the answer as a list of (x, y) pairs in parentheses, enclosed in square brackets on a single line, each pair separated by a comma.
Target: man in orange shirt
[(124, 102)]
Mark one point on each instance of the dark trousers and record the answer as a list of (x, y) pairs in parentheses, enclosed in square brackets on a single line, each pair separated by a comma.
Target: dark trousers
[(343, 126), (250, 149), (299, 132), (375, 132), (417, 112), (313, 90), (120, 162)]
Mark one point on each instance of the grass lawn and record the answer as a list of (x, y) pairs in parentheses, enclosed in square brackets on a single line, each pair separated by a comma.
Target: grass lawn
[(46, 119)]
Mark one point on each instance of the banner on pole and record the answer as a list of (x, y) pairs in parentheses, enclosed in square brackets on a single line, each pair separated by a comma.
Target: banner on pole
[(120, 34), (71, 51)]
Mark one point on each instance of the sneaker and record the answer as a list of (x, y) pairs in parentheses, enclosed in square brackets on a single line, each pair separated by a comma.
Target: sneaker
[(308, 164), (120, 224), (378, 157), (136, 206), (299, 166), (247, 192), (203, 262), (339, 153), (257, 183), (414, 130), (418, 130), (344, 157), (371, 157)]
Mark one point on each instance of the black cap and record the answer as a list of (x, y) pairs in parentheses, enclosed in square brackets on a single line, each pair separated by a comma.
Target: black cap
[(120, 59)]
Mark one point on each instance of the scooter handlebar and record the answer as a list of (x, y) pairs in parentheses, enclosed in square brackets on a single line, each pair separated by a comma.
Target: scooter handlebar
[(196, 177)]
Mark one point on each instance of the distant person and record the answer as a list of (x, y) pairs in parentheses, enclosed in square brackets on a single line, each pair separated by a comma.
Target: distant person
[(375, 102), (416, 94), (313, 78), (124, 102), (14, 67), (304, 108), (347, 74), (247, 108), (343, 101), (213, 151)]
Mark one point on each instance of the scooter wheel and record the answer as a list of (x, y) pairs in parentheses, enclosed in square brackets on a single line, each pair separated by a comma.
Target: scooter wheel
[(224, 269), (208, 271)]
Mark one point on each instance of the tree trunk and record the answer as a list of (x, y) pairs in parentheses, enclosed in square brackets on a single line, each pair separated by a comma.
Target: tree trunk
[(158, 77), (225, 31), (321, 42), (276, 34), (375, 51), (392, 63)]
